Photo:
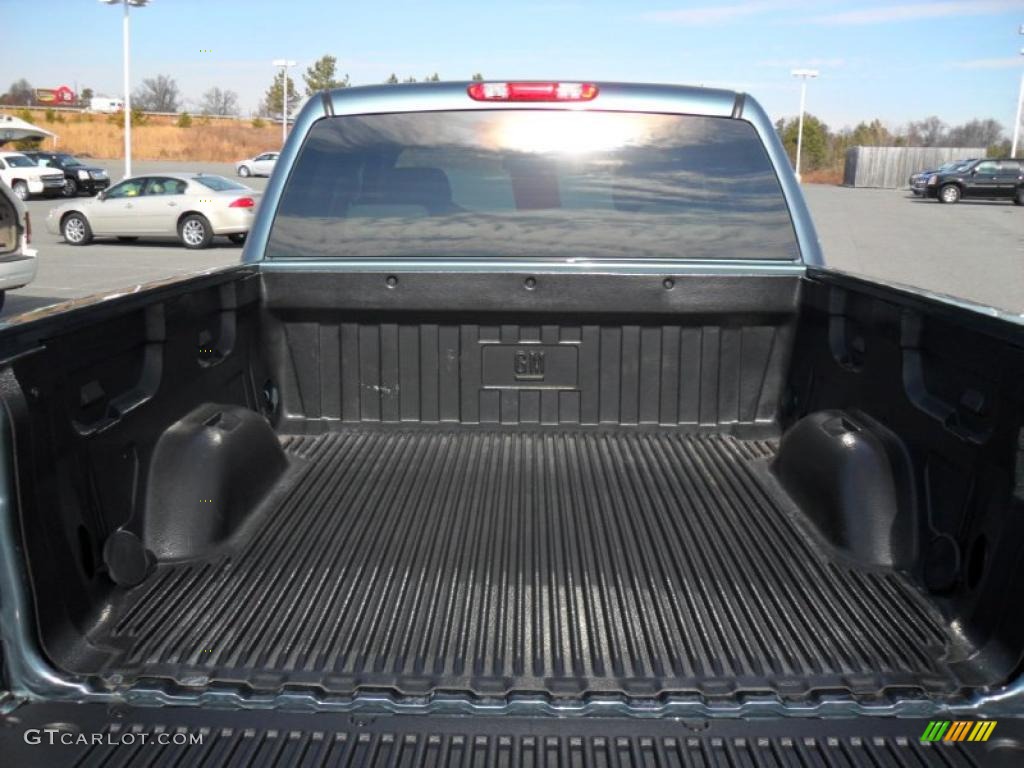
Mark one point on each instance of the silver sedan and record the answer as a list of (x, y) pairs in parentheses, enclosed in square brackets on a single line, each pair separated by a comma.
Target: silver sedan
[(261, 165), (193, 207)]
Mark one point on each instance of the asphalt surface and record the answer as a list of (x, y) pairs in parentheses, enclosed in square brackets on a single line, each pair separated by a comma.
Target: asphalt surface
[(972, 250)]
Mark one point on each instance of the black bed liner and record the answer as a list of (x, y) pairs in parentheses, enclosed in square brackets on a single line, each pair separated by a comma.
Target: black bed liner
[(269, 738), (563, 563)]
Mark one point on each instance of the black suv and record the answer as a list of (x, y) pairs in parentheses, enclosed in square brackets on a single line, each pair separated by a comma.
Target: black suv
[(919, 181), (990, 179), (78, 177)]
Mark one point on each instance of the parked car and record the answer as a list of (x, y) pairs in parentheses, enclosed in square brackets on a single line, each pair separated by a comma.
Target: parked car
[(261, 165), (194, 207), (26, 178), (17, 257), (532, 429), (989, 179), (78, 177), (919, 181)]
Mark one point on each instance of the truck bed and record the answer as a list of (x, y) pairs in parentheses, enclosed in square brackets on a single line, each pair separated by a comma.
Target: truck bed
[(562, 563), (786, 490)]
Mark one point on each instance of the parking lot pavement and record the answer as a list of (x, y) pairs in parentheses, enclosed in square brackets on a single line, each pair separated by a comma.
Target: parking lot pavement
[(973, 250)]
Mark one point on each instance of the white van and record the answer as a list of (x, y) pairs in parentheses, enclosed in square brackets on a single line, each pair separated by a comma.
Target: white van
[(104, 104)]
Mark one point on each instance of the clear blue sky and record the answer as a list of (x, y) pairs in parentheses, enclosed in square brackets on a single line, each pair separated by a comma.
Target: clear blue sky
[(893, 59)]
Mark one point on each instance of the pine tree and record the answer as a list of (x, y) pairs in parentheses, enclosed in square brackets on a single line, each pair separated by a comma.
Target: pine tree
[(320, 76), (272, 100)]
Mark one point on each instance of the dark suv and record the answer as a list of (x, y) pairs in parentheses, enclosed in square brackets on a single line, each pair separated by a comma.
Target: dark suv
[(990, 179), (919, 181), (78, 177)]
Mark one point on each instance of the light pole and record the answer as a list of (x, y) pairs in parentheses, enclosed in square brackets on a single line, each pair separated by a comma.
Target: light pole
[(1020, 105), (804, 75), (127, 79), (284, 64)]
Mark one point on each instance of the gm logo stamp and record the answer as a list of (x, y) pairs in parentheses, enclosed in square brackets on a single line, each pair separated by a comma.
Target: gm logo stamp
[(958, 730), (529, 366)]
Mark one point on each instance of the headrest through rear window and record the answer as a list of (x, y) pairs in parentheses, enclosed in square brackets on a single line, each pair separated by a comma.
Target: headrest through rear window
[(428, 187)]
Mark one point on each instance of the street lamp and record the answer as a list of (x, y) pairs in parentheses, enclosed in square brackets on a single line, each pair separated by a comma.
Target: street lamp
[(284, 64), (127, 80), (1020, 105), (804, 75)]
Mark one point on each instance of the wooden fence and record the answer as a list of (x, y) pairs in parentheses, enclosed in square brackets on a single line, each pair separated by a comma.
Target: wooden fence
[(891, 167)]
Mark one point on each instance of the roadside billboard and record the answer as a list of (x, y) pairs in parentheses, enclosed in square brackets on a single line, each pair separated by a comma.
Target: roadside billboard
[(61, 96)]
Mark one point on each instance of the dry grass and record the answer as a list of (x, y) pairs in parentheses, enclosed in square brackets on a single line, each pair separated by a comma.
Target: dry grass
[(824, 176), (160, 139)]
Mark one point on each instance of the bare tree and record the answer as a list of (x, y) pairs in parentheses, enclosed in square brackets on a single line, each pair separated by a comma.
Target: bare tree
[(930, 132), (157, 94), (975, 133), (20, 93), (219, 102)]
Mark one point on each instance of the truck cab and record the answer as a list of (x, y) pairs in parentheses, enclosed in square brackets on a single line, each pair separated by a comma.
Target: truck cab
[(26, 178)]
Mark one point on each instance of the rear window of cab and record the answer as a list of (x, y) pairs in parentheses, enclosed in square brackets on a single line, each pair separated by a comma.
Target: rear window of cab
[(532, 183)]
